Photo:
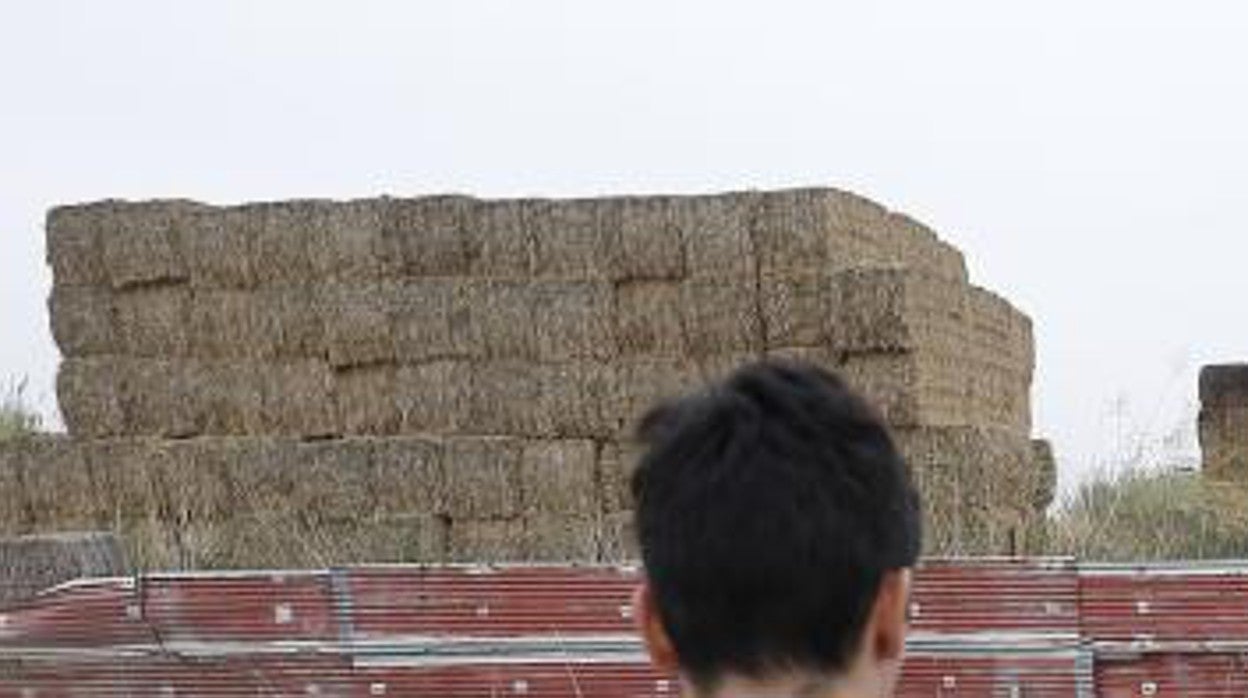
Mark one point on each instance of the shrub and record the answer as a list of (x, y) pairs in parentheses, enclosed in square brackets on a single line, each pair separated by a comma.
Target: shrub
[(17, 417)]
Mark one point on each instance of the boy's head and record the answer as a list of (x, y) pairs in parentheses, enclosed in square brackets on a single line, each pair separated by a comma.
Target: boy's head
[(777, 524)]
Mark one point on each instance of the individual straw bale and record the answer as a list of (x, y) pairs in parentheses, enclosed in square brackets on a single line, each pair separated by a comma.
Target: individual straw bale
[(643, 382), (482, 477), (381, 540), (577, 399), (618, 542), (13, 515), (501, 318), (280, 241), (125, 476), (349, 241), (435, 397), (559, 477), (143, 242), (573, 320), (162, 398), (642, 240), (220, 248), (722, 315), (649, 318), (432, 319), (408, 475), (334, 480), (894, 309), (192, 474), (270, 323), (499, 246), (74, 241), (890, 382), (31, 564), (430, 235), (504, 399), (559, 538), (88, 392), (152, 322), (490, 540), (56, 489), (297, 399), (791, 228), (231, 396), (799, 309), (716, 231), (261, 473), (1001, 332), (358, 323), (1045, 466), (617, 460), (82, 320), (569, 240), (366, 399), (914, 244)]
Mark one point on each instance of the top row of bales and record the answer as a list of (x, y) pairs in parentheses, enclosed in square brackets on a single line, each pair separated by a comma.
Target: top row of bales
[(123, 245)]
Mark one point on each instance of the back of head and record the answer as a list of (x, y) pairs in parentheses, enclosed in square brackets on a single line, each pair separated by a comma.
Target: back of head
[(769, 508)]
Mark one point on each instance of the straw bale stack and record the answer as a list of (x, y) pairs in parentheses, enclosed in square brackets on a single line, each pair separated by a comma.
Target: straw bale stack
[(429, 234), (82, 320), (1223, 421), (30, 564)]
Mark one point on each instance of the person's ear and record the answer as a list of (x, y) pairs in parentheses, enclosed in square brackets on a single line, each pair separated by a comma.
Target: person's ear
[(889, 622), (650, 627)]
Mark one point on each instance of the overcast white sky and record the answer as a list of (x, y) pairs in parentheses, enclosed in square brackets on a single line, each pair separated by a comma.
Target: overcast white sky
[(1090, 158)]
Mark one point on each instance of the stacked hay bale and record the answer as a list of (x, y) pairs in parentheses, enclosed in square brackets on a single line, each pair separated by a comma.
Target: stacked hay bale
[(452, 378), (1223, 421)]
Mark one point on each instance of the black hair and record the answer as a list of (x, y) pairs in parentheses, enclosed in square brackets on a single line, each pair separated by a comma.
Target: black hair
[(769, 507)]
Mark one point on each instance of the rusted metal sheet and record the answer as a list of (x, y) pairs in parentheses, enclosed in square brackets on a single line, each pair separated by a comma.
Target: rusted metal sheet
[(989, 627), (1164, 603)]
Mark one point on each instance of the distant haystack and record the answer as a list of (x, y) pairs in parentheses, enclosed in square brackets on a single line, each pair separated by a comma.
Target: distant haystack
[(452, 378), (1224, 421)]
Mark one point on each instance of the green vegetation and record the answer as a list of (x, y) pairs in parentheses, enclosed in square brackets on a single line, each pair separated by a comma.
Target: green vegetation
[(1152, 515), (17, 417)]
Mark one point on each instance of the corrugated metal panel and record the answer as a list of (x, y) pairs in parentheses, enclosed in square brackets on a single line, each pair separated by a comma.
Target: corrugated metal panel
[(992, 627)]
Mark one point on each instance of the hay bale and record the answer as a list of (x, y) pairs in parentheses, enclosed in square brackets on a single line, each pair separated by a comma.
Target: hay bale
[(568, 238), (162, 398), (618, 542), (1045, 466), (88, 392), (722, 315), (616, 462), (219, 246), (269, 323), (30, 564), (577, 399), (231, 396), (431, 320), (559, 538), (558, 478), (434, 397), (791, 229), (350, 241), (358, 323), (429, 234), (55, 488), (890, 382), (74, 244), (641, 382), (280, 241), (485, 541), (82, 320), (501, 318), (649, 318), (914, 244), (716, 231), (12, 508), (387, 540), (333, 482), (573, 320), (504, 395), (297, 399), (641, 239), (143, 242), (366, 401), (409, 477), (499, 247), (152, 322), (482, 477), (799, 309)]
